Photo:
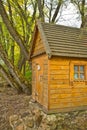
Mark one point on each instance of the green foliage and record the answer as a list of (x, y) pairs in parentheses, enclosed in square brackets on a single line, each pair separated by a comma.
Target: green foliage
[(22, 15), (28, 72), (28, 75)]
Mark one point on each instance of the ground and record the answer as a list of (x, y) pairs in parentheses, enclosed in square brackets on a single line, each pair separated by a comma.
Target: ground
[(12, 103)]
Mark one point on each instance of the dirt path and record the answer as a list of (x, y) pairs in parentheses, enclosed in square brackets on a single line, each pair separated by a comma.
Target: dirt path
[(11, 103)]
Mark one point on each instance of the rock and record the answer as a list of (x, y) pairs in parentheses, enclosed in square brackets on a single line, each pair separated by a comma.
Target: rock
[(37, 118), (44, 127), (13, 118), (29, 122), (20, 127), (27, 113), (51, 118), (53, 126), (28, 128)]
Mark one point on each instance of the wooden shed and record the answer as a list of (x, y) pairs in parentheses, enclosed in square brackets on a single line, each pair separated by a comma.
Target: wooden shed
[(59, 67)]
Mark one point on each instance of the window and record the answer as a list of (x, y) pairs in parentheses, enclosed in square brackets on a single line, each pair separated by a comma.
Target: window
[(79, 72)]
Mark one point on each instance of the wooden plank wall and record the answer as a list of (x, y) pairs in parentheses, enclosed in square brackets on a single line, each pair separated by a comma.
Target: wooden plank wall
[(45, 83), (40, 80), (64, 92), (38, 46), (33, 79)]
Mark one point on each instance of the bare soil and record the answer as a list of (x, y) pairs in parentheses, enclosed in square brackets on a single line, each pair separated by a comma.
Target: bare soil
[(11, 103)]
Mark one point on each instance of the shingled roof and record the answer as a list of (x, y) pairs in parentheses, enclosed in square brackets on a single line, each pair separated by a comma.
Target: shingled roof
[(61, 40)]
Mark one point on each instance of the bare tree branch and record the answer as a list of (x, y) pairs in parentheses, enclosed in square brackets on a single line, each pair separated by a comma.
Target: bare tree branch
[(40, 8), (57, 10)]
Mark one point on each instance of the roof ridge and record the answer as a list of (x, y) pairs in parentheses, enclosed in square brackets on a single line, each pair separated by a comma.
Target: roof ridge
[(62, 25), (60, 40)]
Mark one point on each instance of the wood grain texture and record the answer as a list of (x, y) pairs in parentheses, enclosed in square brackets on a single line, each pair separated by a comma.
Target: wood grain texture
[(55, 50), (38, 46), (61, 93), (40, 80)]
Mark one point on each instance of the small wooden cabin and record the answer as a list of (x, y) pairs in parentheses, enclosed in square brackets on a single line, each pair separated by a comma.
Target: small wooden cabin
[(59, 67)]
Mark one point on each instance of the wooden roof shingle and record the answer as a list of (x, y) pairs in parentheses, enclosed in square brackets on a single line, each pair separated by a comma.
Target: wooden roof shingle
[(62, 40)]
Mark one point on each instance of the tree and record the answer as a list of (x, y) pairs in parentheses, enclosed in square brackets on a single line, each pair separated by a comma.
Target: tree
[(80, 4), (20, 82), (51, 7), (14, 77), (12, 30), (19, 22)]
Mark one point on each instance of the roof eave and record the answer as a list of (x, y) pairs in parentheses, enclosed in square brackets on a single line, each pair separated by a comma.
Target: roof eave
[(45, 42), (68, 55)]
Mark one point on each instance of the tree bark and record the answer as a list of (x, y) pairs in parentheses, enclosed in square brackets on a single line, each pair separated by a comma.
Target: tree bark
[(34, 12), (18, 78), (21, 62), (13, 31), (83, 13), (40, 8), (57, 10), (9, 79), (11, 19), (12, 53)]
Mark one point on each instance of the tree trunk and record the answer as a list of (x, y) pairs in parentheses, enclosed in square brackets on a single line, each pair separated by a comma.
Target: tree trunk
[(40, 8), (12, 53), (82, 11), (13, 31), (9, 79), (18, 78), (21, 61), (57, 10), (24, 68), (11, 19)]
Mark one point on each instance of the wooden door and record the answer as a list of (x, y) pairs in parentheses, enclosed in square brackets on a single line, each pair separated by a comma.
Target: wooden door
[(38, 84)]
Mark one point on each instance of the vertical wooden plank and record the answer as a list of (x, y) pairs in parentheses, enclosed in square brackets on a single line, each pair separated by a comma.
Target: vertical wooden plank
[(49, 84), (40, 82)]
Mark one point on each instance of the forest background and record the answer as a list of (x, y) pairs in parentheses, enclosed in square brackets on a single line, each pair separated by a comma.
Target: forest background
[(17, 20)]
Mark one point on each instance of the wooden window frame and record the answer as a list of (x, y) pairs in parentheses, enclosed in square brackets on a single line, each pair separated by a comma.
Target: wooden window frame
[(71, 70), (79, 72)]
